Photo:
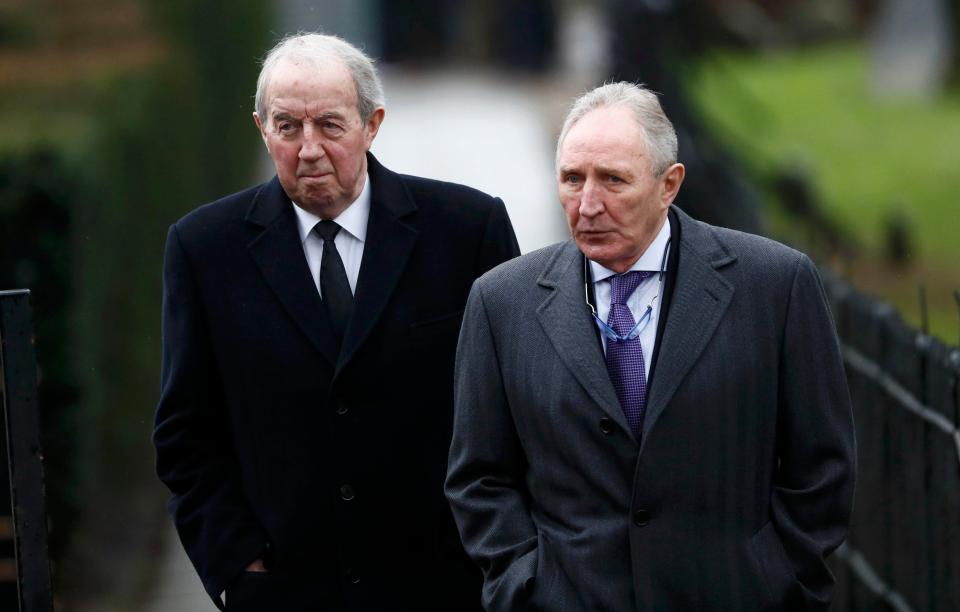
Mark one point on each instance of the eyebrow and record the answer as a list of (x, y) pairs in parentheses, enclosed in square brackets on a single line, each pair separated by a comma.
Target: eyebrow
[(625, 171), (622, 171), (331, 115), (328, 115)]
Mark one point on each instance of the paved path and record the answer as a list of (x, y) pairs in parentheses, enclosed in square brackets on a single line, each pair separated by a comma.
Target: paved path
[(178, 587), (482, 130), (478, 129)]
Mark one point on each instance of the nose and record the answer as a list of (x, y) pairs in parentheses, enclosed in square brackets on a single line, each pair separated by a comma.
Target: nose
[(591, 199), (312, 146)]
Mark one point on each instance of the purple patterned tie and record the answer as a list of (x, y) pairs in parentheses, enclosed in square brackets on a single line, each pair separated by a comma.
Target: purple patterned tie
[(625, 359)]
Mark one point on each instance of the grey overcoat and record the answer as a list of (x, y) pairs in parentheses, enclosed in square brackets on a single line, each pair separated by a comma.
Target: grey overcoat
[(743, 482)]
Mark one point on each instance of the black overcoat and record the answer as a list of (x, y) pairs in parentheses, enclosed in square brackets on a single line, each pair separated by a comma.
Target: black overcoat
[(272, 443)]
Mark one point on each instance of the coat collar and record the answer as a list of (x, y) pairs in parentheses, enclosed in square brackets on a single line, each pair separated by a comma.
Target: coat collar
[(567, 321), (390, 241), (279, 255), (701, 296)]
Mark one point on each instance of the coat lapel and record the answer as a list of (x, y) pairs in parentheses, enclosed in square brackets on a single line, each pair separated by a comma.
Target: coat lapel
[(566, 319), (279, 255), (700, 298), (385, 253)]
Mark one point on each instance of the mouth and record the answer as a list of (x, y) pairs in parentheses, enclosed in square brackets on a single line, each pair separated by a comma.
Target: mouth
[(593, 237), (313, 174)]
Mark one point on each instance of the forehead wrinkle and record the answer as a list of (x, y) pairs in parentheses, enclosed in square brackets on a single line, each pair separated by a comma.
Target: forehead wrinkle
[(605, 145), (614, 168), (331, 115), (299, 78), (601, 132), (280, 106), (281, 111), (601, 161)]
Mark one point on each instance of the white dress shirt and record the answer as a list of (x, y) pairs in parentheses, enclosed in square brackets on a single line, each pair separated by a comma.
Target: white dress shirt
[(349, 240), (646, 294)]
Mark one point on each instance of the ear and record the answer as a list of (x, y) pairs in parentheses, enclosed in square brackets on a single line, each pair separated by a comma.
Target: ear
[(262, 128), (670, 183), (373, 124)]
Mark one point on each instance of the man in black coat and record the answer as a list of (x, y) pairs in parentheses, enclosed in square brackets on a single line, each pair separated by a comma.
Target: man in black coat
[(309, 331)]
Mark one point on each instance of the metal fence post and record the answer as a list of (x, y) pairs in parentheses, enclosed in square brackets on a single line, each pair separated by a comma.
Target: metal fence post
[(25, 459)]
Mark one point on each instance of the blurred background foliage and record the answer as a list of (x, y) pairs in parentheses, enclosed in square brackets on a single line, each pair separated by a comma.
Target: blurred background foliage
[(876, 176), (121, 115)]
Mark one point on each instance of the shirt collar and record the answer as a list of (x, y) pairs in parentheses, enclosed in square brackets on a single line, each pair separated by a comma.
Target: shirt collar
[(651, 260), (353, 220)]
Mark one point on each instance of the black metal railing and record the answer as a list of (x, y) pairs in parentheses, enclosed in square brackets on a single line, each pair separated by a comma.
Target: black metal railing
[(903, 552), (25, 514)]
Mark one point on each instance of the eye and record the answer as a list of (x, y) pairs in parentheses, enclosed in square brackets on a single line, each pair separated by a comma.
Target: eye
[(286, 127), (613, 178), (331, 127), (571, 179)]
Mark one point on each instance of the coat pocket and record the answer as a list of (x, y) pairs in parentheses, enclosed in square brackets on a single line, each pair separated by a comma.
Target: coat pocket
[(435, 331), (774, 566), (552, 589), (277, 592), (545, 578)]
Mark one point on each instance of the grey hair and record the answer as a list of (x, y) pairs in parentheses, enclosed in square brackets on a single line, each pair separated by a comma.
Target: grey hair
[(319, 49), (660, 137)]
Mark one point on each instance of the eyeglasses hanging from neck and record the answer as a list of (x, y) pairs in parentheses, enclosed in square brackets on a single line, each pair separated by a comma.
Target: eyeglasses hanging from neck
[(608, 332)]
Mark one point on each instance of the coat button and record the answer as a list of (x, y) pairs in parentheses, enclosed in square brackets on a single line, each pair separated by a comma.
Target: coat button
[(606, 426), (641, 518), (347, 493)]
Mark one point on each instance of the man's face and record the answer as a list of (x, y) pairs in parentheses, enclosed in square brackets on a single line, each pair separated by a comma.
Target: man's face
[(315, 135), (614, 204)]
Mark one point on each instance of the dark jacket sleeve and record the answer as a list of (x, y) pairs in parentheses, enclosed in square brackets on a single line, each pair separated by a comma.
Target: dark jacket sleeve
[(195, 455), (813, 486), (487, 468), (499, 241)]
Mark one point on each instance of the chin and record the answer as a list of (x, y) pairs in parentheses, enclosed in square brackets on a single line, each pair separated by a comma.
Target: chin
[(315, 204), (595, 253), (594, 244), (606, 256)]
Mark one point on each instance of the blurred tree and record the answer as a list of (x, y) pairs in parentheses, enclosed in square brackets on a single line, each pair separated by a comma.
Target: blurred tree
[(649, 39), (358, 21), (526, 32), (912, 47), (953, 9), (418, 30), (37, 195), (168, 138)]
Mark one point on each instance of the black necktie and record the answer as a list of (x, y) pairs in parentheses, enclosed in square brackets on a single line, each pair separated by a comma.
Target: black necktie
[(334, 287)]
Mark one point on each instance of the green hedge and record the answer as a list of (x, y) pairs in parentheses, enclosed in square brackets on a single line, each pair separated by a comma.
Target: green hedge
[(38, 195), (82, 225)]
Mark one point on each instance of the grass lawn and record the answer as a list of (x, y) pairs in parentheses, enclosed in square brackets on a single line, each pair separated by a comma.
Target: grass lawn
[(868, 158)]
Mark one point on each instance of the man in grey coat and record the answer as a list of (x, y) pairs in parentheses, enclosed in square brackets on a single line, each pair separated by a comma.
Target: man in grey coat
[(652, 415)]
